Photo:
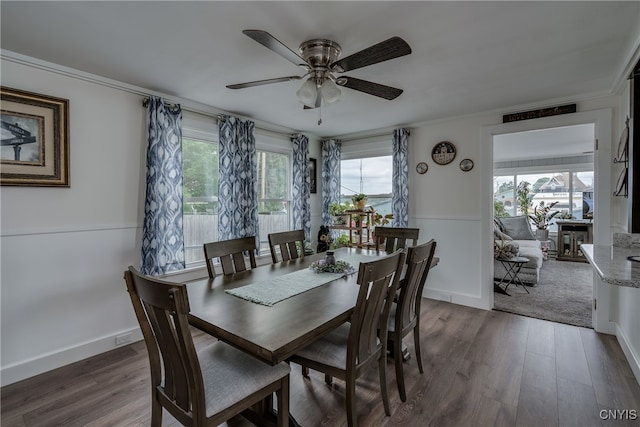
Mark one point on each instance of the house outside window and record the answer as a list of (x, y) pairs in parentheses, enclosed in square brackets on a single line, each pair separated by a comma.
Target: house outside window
[(561, 186)]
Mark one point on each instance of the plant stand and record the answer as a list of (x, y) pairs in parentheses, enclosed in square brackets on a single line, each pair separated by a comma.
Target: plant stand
[(359, 228)]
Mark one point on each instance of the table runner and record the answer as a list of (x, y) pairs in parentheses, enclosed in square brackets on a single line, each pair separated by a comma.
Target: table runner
[(272, 291)]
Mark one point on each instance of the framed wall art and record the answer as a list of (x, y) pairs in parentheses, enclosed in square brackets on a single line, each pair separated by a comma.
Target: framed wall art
[(443, 153), (422, 168), (466, 165), (312, 176), (34, 139)]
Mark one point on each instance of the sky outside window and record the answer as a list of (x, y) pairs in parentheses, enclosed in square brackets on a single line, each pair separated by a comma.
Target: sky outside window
[(371, 175)]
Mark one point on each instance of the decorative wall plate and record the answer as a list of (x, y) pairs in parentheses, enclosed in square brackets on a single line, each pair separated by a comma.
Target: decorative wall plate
[(422, 167), (443, 153), (466, 165)]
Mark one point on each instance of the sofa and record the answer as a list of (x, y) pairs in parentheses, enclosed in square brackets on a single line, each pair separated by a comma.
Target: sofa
[(513, 237)]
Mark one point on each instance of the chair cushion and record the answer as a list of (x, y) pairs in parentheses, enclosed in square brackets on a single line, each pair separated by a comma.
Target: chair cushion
[(231, 375), (517, 227), (330, 350)]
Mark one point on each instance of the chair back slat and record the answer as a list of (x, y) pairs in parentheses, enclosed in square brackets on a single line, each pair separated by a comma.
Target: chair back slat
[(377, 280), (419, 262), (395, 238), (286, 243), (232, 255), (162, 308)]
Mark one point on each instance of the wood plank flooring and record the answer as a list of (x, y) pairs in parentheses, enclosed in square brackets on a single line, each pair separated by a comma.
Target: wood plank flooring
[(482, 368)]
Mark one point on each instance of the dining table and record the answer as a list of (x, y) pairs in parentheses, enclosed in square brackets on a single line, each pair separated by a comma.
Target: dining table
[(276, 332)]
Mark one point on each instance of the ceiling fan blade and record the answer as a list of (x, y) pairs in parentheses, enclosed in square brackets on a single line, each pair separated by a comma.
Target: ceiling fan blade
[(383, 51), (263, 82), (375, 89), (275, 45)]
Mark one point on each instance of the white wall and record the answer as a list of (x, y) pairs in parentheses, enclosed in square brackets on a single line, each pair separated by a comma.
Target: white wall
[(445, 204), (64, 250)]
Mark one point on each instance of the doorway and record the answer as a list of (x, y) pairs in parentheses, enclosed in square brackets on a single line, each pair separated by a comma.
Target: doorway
[(555, 166), (601, 121)]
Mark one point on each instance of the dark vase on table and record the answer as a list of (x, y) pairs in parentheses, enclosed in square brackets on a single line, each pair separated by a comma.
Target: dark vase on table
[(329, 258)]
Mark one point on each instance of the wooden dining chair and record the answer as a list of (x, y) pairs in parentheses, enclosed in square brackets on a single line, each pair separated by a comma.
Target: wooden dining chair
[(286, 243), (231, 254), (391, 239), (203, 388), (354, 346), (405, 312)]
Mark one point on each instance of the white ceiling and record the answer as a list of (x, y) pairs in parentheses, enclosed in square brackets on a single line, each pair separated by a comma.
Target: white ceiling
[(467, 56)]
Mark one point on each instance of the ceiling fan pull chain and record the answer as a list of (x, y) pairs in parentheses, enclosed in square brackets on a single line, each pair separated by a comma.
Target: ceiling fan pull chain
[(320, 115)]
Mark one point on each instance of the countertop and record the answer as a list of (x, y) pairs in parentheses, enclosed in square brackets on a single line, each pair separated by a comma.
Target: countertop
[(612, 265)]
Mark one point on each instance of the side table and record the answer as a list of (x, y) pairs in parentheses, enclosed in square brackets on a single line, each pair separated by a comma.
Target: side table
[(512, 266)]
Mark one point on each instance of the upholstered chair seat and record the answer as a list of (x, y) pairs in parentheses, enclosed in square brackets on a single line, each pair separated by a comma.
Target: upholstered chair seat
[(230, 376)]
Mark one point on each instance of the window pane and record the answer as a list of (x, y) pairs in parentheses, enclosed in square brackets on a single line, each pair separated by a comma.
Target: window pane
[(583, 195), (200, 196), (371, 176), (503, 196), (273, 195)]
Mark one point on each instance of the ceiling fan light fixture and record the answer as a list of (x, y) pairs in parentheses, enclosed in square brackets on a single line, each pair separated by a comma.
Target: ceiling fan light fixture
[(308, 92), (330, 91)]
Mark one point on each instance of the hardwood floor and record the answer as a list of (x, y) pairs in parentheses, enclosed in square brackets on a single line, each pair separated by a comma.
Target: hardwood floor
[(482, 368)]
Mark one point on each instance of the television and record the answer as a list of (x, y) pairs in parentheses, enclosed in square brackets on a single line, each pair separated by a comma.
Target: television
[(587, 205)]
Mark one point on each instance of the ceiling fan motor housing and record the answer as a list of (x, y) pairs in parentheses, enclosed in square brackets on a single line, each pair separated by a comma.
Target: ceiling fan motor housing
[(319, 53)]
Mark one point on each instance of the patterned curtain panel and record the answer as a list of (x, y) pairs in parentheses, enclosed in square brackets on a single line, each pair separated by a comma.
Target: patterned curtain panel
[(237, 185), (400, 182), (331, 150), (162, 236), (301, 186)]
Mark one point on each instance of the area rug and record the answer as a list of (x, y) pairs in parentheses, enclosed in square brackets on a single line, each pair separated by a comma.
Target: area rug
[(564, 294)]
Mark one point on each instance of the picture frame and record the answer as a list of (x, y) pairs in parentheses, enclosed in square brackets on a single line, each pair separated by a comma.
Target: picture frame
[(443, 153), (466, 165), (312, 176), (422, 168), (34, 138)]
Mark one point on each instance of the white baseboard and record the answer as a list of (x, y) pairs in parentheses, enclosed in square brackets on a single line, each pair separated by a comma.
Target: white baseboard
[(22, 370), (632, 357), (455, 298)]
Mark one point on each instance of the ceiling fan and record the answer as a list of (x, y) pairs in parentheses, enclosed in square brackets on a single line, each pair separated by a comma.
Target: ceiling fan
[(320, 59)]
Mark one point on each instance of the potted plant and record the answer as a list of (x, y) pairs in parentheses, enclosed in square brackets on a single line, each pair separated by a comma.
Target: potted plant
[(337, 210), (523, 197), (359, 201), (379, 219), (541, 218), (341, 241)]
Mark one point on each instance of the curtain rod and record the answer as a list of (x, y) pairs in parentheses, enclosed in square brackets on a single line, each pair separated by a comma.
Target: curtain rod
[(220, 116)]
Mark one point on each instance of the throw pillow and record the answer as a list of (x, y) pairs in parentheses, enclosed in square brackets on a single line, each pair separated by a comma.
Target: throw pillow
[(518, 227), (505, 249), (498, 231)]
